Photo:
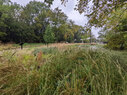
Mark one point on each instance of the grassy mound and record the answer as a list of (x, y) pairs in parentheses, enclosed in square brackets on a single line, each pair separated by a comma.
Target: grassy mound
[(69, 72)]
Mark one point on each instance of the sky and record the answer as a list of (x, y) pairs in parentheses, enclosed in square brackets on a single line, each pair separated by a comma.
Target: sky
[(72, 14)]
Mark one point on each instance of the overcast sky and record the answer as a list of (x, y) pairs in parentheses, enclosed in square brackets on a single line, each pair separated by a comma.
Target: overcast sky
[(79, 19)]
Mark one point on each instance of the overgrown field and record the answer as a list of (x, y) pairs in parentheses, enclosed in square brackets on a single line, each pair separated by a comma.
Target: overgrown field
[(74, 70)]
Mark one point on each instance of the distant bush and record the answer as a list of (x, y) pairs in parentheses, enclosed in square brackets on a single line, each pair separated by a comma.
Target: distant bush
[(117, 42), (69, 72)]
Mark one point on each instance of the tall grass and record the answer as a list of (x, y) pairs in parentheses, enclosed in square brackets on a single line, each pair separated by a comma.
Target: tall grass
[(19, 76), (74, 71)]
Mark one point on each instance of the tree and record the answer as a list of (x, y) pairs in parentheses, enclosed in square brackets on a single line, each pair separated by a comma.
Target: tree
[(118, 41), (32, 10), (49, 36), (28, 24), (96, 10), (115, 30), (5, 18)]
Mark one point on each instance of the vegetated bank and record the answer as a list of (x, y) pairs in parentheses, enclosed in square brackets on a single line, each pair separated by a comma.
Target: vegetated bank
[(71, 71)]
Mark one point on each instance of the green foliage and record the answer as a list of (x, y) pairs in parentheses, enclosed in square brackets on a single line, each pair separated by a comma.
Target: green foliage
[(118, 41), (49, 36), (98, 11), (2, 35), (115, 30), (28, 23)]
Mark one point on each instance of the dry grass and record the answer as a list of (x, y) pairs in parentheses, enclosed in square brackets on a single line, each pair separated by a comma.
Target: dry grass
[(68, 71), (30, 49)]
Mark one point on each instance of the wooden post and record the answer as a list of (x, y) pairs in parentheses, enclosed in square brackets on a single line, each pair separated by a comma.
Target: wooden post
[(21, 44)]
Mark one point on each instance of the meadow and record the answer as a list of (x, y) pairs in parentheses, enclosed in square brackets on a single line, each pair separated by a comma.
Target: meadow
[(62, 69)]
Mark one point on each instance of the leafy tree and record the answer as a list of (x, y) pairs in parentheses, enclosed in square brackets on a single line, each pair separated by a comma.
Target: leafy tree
[(29, 23), (117, 41), (49, 36), (115, 30), (5, 18), (96, 10), (2, 36)]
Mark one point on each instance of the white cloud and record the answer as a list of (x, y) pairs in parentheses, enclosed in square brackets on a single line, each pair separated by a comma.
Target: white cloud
[(70, 12), (78, 18), (22, 2), (95, 31)]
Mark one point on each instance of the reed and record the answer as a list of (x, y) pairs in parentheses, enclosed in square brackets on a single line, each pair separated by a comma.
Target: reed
[(72, 71)]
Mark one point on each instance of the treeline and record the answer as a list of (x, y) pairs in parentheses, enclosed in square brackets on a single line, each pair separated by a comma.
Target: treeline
[(29, 24)]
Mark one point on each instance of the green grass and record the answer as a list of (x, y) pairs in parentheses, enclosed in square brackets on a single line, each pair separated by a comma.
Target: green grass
[(71, 71), (50, 50), (122, 55), (33, 44), (76, 72)]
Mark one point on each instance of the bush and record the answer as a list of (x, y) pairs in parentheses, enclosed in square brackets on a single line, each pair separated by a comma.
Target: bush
[(117, 42)]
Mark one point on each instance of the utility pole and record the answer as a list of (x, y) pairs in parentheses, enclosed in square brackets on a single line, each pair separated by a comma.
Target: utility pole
[(90, 37)]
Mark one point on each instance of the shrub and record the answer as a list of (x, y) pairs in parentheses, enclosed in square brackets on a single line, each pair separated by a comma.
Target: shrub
[(117, 42)]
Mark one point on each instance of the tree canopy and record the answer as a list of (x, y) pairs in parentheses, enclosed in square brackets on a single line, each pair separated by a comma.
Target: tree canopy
[(115, 29), (96, 10), (29, 23), (49, 36)]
